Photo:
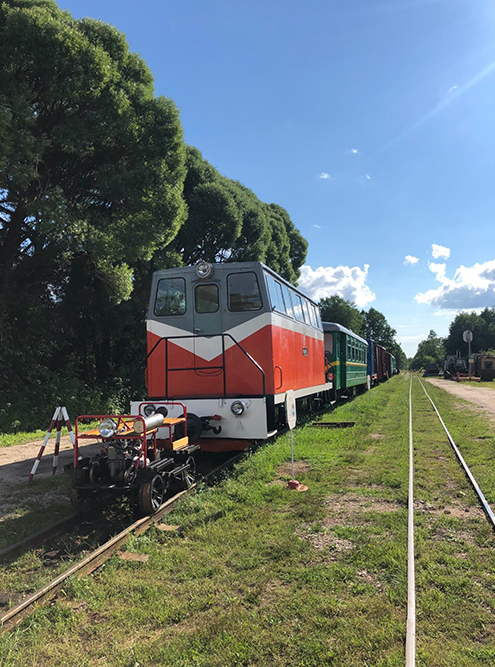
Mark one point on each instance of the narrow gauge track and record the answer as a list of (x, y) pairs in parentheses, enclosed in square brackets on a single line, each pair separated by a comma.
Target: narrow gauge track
[(97, 557), (410, 646), (93, 560)]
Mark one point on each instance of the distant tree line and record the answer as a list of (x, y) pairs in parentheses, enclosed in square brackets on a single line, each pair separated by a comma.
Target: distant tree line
[(434, 349), (97, 191), (366, 323)]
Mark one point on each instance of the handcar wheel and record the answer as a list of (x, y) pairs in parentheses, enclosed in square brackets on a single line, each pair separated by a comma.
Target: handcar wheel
[(83, 501), (151, 495), (188, 475)]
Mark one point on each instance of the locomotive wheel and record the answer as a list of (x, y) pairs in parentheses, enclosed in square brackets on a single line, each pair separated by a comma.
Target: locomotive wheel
[(83, 501), (151, 495), (188, 476)]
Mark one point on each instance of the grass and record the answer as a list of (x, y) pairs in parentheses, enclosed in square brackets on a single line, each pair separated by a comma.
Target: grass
[(265, 576), (22, 437)]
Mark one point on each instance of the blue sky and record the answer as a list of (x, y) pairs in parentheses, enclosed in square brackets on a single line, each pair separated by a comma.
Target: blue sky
[(372, 122)]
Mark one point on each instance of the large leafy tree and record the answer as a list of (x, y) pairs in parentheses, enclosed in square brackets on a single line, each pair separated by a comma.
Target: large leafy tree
[(336, 309), (92, 163), (376, 327), (431, 350), (227, 222), (483, 327)]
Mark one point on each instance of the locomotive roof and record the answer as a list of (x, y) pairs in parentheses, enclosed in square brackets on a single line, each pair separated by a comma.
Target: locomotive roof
[(333, 326), (235, 266)]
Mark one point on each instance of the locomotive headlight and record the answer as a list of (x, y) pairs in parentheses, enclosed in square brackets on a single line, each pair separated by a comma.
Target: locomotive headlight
[(149, 410), (107, 428), (204, 270), (238, 408)]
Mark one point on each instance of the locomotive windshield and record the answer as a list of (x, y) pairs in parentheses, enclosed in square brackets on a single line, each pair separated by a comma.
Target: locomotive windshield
[(170, 297), (244, 292), (206, 298)]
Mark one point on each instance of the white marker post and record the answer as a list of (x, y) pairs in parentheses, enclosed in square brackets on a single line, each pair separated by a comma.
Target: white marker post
[(291, 415)]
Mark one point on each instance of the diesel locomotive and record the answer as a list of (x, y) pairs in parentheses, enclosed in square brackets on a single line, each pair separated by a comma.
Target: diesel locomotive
[(225, 343)]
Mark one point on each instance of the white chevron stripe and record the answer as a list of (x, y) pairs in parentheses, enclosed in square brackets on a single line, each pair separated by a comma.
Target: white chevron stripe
[(210, 348)]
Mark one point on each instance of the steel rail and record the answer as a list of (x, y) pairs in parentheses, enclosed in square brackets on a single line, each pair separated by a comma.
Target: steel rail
[(88, 564), (41, 536), (486, 507), (97, 557), (411, 586)]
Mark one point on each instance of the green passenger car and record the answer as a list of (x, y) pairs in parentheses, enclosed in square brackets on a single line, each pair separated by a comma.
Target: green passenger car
[(345, 358)]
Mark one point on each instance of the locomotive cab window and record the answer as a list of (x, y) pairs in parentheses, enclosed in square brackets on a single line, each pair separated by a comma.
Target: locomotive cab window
[(206, 298), (170, 297), (243, 292)]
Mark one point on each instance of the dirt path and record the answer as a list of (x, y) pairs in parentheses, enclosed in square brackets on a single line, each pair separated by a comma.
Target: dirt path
[(481, 397), (16, 462)]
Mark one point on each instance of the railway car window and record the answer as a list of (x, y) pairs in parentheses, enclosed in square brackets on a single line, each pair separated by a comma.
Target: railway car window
[(298, 309), (305, 305), (313, 316), (206, 298), (170, 297), (318, 317), (287, 301), (275, 290), (244, 292), (329, 344)]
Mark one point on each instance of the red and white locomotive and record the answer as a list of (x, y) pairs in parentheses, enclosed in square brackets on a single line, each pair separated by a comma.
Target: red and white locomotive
[(228, 341)]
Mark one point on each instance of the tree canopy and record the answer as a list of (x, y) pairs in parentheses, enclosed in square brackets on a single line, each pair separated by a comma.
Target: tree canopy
[(431, 350), (336, 309), (227, 222), (483, 327), (98, 190)]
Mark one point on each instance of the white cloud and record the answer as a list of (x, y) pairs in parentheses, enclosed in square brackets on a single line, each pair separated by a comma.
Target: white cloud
[(317, 226), (452, 88), (439, 270), (348, 282), (439, 251), (367, 177), (410, 259), (325, 176), (353, 151), (472, 287)]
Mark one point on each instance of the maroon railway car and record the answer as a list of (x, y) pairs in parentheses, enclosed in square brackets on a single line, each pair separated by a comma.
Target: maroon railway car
[(382, 363)]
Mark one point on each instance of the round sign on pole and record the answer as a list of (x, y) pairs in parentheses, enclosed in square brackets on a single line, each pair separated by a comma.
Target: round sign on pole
[(290, 409), (467, 336)]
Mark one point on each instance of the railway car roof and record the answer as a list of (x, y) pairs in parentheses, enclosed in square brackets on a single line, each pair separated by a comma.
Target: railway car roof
[(333, 326)]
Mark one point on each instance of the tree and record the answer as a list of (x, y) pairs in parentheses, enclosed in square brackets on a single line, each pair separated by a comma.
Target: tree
[(483, 327), (377, 328), (431, 350), (91, 163), (227, 222), (336, 309)]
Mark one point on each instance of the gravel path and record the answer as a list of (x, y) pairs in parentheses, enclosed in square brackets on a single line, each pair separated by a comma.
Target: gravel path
[(481, 397)]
